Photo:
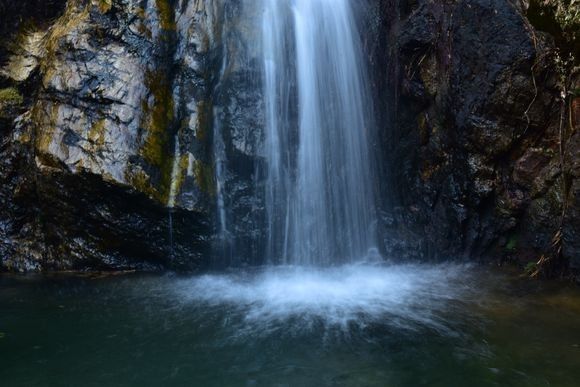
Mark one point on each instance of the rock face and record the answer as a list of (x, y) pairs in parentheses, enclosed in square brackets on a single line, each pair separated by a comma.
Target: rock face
[(482, 152), (130, 130), (134, 124), (108, 168)]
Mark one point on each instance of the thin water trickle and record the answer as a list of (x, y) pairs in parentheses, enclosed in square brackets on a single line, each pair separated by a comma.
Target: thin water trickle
[(319, 188), (173, 188), (225, 240), (174, 175)]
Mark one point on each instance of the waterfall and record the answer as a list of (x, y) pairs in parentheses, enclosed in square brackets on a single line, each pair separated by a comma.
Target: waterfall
[(319, 193)]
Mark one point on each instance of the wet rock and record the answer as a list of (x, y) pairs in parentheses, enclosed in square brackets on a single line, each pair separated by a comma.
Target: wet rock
[(137, 118), (113, 163), (474, 139), (107, 168)]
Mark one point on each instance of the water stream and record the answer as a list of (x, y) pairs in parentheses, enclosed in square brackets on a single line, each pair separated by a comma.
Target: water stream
[(319, 190)]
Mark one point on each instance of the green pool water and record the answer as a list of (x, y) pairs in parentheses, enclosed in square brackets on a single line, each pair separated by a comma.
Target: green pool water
[(408, 325)]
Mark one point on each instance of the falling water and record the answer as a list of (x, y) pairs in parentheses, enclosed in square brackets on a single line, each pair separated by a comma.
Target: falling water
[(221, 162), (319, 194), (173, 188)]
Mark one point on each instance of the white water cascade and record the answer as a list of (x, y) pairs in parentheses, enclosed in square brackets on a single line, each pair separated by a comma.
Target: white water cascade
[(319, 193)]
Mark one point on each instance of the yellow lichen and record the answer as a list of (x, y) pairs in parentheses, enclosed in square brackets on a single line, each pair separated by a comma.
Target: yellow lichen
[(103, 5), (11, 95), (158, 114), (72, 18), (142, 182), (166, 15), (45, 116), (204, 177), (97, 133), (157, 119)]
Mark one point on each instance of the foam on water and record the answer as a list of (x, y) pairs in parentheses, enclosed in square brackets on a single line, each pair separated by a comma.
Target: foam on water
[(349, 297)]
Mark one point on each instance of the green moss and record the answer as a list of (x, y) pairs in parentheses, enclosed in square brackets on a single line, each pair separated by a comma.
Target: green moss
[(512, 243), (158, 111), (180, 175), (11, 96), (561, 19), (531, 267), (183, 163), (204, 177), (166, 15), (158, 115), (10, 99)]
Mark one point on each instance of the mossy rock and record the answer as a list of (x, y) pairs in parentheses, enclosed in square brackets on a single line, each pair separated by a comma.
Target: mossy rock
[(45, 117), (11, 96), (157, 123), (204, 177), (105, 5), (166, 15), (561, 19), (204, 120), (97, 133), (10, 101)]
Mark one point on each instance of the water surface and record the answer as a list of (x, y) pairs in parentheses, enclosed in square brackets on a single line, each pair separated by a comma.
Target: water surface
[(356, 325)]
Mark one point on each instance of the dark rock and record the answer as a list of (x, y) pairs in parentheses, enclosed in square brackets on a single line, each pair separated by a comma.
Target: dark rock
[(474, 140)]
